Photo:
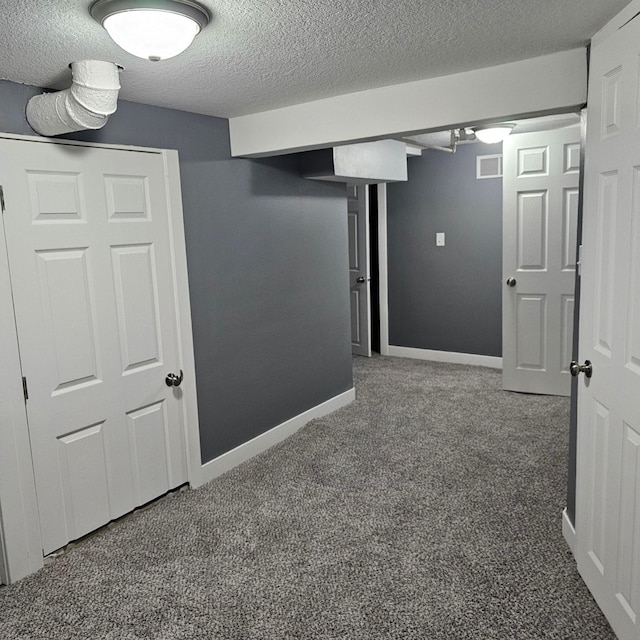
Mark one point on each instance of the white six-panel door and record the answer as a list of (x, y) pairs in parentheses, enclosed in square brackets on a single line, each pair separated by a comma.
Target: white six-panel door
[(359, 280), (608, 455), (88, 243), (540, 217)]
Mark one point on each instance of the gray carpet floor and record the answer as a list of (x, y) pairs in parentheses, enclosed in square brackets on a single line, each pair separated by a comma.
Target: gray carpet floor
[(429, 508)]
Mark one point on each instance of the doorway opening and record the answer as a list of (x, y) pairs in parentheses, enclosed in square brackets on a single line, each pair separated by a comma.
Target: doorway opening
[(449, 280)]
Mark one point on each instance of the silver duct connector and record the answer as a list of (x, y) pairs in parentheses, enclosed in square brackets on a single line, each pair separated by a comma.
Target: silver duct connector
[(87, 104)]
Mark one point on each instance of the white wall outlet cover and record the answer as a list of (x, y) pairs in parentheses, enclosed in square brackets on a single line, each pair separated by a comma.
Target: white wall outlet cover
[(439, 239)]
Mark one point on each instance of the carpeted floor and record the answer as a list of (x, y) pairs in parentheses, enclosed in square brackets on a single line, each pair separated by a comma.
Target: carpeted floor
[(430, 508)]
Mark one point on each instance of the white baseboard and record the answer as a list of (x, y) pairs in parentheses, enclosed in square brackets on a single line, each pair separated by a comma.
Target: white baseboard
[(446, 356), (568, 531), (233, 458)]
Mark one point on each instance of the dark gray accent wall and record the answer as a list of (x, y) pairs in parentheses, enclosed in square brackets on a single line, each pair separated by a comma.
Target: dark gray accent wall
[(268, 270), (446, 298)]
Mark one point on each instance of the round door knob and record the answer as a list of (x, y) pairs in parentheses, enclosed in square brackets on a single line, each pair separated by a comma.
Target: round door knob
[(361, 279), (576, 368), (173, 380), (511, 282)]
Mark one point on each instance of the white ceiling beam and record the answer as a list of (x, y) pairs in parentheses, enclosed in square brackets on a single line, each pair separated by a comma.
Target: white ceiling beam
[(553, 83)]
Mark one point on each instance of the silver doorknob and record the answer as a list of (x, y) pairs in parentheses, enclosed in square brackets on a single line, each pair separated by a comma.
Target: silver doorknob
[(587, 368), (361, 279), (173, 380), (511, 282)]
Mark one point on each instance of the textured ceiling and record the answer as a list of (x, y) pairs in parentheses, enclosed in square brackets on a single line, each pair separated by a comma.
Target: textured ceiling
[(263, 54)]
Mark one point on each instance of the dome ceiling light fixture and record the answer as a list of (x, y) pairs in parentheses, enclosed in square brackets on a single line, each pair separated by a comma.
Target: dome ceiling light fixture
[(493, 133), (151, 29)]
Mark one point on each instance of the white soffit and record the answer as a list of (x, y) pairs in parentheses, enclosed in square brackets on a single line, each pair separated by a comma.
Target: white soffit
[(258, 56), (554, 83)]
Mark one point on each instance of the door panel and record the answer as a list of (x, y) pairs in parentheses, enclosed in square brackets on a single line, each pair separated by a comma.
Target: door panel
[(149, 442), (572, 157), (531, 337), (608, 437), (356, 338), (569, 229), (605, 245), (85, 482), (533, 161), (532, 231), (540, 192), (56, 197), (127, 197), (136, 291), (68, 317), (627, 577), (91, 269), (598, 463)]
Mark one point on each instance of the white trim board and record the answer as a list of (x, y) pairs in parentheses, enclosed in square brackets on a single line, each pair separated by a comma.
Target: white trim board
[(252, 448), (80, 143), (383, 270), (568, 531), (446, 356)]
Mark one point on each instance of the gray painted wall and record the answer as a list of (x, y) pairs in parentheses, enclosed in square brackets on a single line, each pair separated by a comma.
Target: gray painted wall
[(446, 298), (268, 270)]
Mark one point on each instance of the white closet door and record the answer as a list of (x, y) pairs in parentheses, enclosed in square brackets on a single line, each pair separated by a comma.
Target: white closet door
[(91, 269)]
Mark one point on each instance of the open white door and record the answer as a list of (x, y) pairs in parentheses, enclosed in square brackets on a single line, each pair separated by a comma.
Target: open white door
[(608, 439), (359, 277), (94, 292), (540, 218)]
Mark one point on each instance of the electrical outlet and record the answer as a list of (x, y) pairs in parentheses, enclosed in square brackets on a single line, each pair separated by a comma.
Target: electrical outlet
[(439, 239)]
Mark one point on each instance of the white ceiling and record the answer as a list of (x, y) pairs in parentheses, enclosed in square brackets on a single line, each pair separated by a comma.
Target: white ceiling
[(263, 54)]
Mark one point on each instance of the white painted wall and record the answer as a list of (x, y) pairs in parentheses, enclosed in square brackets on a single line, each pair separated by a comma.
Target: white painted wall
[(552, 83)]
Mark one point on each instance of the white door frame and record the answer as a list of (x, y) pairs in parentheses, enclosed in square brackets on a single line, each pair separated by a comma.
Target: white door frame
[(20, 541), (383, 270)]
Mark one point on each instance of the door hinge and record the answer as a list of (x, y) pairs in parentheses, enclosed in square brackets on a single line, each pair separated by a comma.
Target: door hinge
[(24, 389), (2, 198)]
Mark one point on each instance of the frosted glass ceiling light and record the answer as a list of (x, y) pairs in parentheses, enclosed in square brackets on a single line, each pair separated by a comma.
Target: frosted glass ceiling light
[(493, 133), (151, 29)]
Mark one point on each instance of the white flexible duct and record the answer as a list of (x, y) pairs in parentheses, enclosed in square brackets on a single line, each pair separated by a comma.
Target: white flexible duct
[(87, 104)]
